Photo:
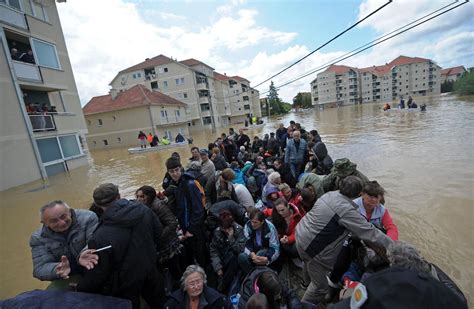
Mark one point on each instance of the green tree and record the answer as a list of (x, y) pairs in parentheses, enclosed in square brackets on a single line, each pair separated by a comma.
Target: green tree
[(302, 100), (447, 86), (276, 106), (465, 84)]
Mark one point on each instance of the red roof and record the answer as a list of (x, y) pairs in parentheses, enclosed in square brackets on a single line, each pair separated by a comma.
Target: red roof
[(221, 77), (192, 62), (136, 96), (240, 79), (339, 69), (401, 60), (453, 71), (149, 63), (384, 69)]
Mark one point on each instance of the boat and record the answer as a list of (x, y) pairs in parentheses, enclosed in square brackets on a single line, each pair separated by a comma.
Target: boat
[(135, 150)]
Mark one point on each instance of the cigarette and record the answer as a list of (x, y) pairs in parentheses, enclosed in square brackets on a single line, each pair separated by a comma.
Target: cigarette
[(103, 248)]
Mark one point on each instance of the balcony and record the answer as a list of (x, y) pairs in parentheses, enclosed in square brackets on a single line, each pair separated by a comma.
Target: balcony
[(203, 99), (27, 71), (202, 86), (42, 123), (13, 17)]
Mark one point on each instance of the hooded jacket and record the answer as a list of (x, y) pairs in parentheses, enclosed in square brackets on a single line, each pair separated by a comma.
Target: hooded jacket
[(342, 168), (189, 204), (133, 231), (221, 246), (316, 181)]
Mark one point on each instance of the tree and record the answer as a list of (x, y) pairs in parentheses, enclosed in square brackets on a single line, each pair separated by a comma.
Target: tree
[(465, 84), (276, 105), (447, 86), (302, 100)]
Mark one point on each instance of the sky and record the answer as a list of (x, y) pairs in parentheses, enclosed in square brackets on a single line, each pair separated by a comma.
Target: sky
[(255, 39)]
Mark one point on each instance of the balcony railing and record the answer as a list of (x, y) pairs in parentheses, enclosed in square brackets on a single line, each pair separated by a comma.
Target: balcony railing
[(42, 123), (13, 17), (203, 99), (27, 71)]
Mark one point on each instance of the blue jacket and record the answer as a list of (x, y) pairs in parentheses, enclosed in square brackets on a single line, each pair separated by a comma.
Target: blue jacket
[(293, 154), (190, 209), (269, 240)]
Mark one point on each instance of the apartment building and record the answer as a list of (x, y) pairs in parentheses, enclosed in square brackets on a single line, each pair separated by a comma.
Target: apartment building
[(403, 76), (337, 85), (212, 99), (115, 119), (42, 127), (452, 74)]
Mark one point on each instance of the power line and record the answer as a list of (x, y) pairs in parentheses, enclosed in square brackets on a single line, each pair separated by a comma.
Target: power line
[(341, 33), (371, 45)]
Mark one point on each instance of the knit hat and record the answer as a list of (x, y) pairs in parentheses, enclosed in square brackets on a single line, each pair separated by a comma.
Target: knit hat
[(204, 152), (344, 167), (105, 194)]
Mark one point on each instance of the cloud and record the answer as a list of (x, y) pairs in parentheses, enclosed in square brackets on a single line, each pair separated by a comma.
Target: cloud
[(100, 45), (171, 16)]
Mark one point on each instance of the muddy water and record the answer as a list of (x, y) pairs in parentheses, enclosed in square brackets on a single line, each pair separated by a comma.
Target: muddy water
[(424, 161)]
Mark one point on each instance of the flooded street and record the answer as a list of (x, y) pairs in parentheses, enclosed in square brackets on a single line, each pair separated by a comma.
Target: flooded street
[(422, 159)]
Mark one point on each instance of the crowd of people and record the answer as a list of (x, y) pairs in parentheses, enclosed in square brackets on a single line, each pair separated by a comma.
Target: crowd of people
[(225, 224)]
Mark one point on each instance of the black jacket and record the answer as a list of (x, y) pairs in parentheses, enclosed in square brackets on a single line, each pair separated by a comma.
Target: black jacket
[(286, 175), (242, 139), (214, 299), (134, 231)]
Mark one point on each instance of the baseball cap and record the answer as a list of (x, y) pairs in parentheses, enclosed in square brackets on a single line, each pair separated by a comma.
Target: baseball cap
[(204, 152), (401, 288)]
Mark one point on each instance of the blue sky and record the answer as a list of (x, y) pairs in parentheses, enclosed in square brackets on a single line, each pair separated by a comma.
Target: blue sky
[(253, 39)]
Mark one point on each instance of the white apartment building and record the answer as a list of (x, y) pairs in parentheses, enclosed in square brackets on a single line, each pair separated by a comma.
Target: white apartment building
[(212, 99), (403, 76), (42, 127)]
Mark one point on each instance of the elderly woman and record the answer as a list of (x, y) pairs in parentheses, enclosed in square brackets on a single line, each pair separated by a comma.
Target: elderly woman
[(194, 293), (274, 180), (262, 246)]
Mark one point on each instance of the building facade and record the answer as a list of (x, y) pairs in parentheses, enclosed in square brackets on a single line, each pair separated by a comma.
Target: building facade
[(42, 125), (212, 99), (403, 76), (452, 74), (115, 119)]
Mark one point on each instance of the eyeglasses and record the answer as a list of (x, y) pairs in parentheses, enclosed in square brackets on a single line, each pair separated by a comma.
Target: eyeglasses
[(195, 283)]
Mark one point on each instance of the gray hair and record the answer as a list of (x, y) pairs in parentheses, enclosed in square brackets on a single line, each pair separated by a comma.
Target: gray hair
[(193, 269), (51, 205), (273, 177), (404, 255)]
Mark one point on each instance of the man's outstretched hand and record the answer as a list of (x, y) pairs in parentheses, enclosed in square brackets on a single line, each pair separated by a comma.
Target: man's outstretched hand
[(63, 269), (88, 259)]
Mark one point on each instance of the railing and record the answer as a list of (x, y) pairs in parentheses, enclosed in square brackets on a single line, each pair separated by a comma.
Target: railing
[(13, 17), (172, 120), (42, 123), (201, 85), (203, 99), (27, 71)]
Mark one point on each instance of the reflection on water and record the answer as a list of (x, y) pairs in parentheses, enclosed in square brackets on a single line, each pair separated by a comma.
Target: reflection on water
[(423, 160)]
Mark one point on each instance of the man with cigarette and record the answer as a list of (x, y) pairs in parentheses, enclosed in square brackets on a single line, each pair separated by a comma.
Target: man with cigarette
[(126, 240), (55, 247)]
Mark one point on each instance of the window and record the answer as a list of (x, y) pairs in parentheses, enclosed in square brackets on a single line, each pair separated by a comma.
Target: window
[(26, 4), (39, 11), (168, 135), (114, 118), (49, 149), (247, 107), (179, 81), (185, 95), (94, 143), (106, 143), (12, 3), (163, 70), (246, 98), (154, 85), (45, 54), (119, 140), (205, 107), (134, 76), (89, 122), (165, 84), (206, 120), (69, 146), (177, 113), (99, 121)]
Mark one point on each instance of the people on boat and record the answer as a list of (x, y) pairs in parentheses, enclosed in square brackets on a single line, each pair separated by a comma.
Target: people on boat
[(179, 138), (155, 141), (56, 246), (165, 140), (386, 107), (409, 102), (296, 220), (401, 105), (149, 139), (423, 107), (142, 139)]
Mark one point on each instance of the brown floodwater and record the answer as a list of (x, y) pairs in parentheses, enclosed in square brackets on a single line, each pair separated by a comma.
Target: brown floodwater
[(422, 159)]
